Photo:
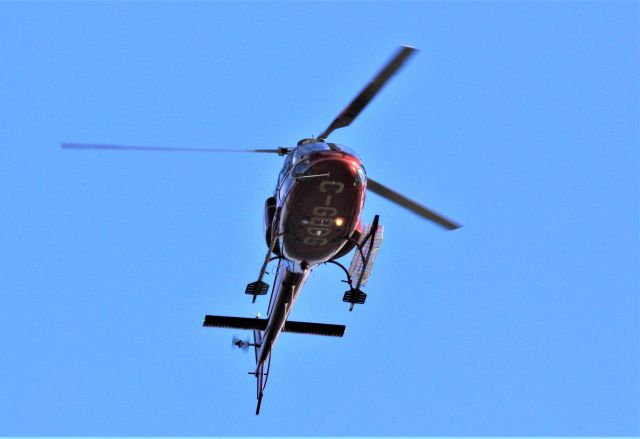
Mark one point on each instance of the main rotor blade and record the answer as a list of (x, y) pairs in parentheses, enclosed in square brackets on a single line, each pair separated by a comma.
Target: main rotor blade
[(280, 151), (357, 105), (403, 201)]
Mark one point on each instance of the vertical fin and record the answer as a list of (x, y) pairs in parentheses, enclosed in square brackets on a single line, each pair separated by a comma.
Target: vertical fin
[(259, 403)]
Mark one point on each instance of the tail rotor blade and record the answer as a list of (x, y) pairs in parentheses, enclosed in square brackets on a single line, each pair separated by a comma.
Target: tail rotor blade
[(403, 201), (239, 343), (366, 95), (99, 146)]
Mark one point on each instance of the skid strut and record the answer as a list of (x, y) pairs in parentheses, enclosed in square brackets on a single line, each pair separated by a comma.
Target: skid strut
[(259, 287)]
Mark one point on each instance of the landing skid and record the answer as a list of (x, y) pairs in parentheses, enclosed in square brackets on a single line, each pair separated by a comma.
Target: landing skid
[(354, 296), (257, 288), (360, 268)]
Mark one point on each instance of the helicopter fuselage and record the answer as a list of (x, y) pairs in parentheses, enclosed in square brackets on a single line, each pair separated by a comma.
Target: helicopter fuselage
[(315, 214), (318, 199)]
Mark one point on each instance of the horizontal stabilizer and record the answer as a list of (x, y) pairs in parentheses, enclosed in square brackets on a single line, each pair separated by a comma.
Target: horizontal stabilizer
[(235, 322), (261, 325), (314, 328)]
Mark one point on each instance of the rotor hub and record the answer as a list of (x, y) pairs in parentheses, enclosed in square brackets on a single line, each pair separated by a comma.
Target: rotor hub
[(307, 141)]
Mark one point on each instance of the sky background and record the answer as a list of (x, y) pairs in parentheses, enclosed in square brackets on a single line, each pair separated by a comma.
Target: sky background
[(519, 120)]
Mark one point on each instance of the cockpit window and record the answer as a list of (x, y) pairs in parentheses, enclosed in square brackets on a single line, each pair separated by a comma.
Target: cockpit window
[(285, 168), (301, 168), (287, 162), (347, 150), (361, 176), (308, 148)]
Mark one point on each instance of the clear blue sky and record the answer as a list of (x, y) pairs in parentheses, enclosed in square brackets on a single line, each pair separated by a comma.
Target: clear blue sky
[(520, 120)]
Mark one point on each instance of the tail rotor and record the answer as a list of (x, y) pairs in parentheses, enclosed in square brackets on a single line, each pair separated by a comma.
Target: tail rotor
[(241, 344)]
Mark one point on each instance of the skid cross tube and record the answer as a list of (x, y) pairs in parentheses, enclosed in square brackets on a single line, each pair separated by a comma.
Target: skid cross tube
[(346, 272)]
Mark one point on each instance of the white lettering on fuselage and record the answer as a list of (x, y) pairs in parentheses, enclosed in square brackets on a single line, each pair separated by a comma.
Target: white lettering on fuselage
[(322, 219)]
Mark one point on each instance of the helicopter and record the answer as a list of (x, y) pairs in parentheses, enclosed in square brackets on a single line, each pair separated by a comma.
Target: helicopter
[(314, 217)]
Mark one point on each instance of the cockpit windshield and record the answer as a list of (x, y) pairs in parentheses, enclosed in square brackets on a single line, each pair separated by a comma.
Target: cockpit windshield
[(308, 148), (347, 150)]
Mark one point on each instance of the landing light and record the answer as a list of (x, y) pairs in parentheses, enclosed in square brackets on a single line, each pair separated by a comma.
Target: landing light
[(339, 221)]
